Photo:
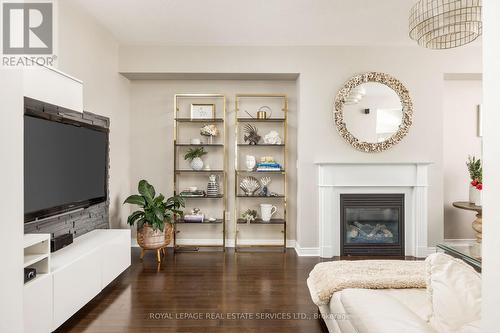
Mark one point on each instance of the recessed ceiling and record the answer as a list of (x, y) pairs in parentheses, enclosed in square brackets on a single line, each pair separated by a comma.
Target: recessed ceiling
[(254, 22)]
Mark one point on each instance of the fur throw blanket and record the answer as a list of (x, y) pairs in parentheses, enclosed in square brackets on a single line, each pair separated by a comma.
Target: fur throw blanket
[(329, 277)]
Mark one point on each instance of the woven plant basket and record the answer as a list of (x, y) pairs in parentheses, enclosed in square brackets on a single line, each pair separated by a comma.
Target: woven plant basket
[(150, 239)]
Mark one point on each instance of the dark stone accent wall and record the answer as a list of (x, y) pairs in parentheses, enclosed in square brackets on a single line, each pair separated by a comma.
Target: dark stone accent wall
[(77, 223), (81, 221)]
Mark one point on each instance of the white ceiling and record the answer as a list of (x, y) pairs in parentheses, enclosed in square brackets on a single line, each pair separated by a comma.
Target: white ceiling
[(254, 22)]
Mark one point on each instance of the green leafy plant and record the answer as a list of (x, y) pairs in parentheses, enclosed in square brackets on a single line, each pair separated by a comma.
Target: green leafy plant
[(193, 153), (475, 172), (155, 211)]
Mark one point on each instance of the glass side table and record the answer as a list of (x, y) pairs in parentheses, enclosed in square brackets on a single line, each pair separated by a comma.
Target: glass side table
[(470, 252)]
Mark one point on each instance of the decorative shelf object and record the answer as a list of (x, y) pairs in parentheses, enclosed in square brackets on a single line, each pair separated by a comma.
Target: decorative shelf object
[(259, 221), (279, 124), (220, 196), (270, 171), (179, 173), (217, 221)]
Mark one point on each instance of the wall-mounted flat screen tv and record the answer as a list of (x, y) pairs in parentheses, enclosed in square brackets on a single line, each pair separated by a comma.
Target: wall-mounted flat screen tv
[(65, 165)]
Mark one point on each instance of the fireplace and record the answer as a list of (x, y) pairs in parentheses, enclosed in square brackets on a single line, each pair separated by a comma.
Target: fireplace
[(408, 179), (372, 224)]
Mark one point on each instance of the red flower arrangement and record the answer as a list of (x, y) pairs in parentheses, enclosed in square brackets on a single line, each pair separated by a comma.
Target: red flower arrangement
[(476, 172)]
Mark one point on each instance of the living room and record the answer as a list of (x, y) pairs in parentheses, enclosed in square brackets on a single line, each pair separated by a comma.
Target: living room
[(189, 103)]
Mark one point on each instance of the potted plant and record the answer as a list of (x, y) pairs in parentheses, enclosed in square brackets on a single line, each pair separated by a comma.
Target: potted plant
[(155, 217), (476, 184), (194, 155)]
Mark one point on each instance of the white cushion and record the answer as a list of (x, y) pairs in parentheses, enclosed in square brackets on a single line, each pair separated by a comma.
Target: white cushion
[(454, 289), (417, 300), (373, 311)]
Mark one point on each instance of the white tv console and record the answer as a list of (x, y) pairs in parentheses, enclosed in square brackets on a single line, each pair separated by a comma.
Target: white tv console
[(72, 276)]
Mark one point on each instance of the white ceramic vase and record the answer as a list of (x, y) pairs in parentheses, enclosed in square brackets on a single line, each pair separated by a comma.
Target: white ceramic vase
[(479, 198), (475, 196), (197, 164), (472, 193)]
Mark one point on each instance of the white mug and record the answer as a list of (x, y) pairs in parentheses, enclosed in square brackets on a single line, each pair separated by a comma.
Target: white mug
[(267, 211), (195, 141)]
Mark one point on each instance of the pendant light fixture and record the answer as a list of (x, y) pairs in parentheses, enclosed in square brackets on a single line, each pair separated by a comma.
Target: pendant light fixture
[(445, 24)]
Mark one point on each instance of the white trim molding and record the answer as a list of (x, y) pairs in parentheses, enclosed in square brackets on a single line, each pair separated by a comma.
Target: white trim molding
[(410, 179), (290, 243), (306, 251)]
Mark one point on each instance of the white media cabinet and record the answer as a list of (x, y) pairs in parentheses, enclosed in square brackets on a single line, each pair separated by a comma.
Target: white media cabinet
[(71, 277)]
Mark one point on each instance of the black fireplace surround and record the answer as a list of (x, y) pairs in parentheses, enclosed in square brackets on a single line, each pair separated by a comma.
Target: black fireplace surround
[(372, 224)]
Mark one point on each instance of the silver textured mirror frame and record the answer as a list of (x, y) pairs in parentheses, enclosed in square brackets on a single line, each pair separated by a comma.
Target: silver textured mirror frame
[(406, 103)]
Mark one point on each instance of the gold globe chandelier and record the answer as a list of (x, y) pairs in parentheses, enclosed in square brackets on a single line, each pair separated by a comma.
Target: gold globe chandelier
[(445, 24)]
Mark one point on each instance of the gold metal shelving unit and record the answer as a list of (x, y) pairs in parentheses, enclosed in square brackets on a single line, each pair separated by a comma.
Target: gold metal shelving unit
[(183, 172), (238, 174)]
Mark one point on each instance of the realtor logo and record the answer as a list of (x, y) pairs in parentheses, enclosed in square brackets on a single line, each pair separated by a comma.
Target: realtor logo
[(27, 28)]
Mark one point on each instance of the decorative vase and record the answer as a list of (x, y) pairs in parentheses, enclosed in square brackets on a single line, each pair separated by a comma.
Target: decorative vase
[(210, 139), (213, 186), (479, 198), (472, 193), (197, 164), (475, 196)]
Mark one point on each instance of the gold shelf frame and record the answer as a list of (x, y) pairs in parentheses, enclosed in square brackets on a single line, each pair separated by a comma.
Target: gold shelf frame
[(177, 97), (237, 172)]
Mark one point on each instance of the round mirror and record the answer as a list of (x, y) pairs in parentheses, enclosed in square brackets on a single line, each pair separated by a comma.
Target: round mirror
[(373, 111)]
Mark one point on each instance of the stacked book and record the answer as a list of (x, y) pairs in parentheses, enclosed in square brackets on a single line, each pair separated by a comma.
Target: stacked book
[(192, 194), (268, 166)]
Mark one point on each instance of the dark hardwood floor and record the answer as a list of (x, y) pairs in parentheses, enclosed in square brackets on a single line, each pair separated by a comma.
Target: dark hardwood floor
[(205, 292)]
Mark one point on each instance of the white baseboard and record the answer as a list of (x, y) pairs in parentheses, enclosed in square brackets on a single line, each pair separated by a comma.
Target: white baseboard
[(424, 252), (290, 243), (306, 251)]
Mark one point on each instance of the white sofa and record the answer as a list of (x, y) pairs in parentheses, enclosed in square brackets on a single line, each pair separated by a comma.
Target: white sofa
[(451, 303)]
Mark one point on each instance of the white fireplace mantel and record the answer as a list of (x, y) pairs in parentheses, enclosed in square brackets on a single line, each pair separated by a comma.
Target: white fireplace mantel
[(408, 178)]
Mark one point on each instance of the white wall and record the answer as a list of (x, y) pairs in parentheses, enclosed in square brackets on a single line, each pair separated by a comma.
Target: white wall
[(152, 104), (460, 140), (12, 180), (90, 53), (323, 70), (491, 213)]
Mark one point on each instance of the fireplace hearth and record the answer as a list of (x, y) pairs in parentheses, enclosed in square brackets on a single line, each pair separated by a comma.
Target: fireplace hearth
[(372, 224)]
